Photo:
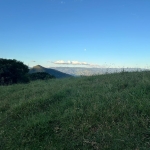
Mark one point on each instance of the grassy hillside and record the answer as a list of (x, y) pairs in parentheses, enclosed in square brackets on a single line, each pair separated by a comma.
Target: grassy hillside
[(88, 113)]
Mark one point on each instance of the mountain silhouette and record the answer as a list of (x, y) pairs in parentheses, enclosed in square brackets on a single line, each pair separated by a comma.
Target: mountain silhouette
[(53, 72)]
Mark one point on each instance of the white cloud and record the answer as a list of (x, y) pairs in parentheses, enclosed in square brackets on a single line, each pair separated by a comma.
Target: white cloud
[(60, 62), (70, 62), (76, 63), (95, 66)]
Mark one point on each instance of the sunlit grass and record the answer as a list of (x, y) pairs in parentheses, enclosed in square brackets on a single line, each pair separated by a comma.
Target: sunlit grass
[(99, 112)]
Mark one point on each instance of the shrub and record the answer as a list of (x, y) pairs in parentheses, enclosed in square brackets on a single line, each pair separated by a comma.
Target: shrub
[(40, 76)]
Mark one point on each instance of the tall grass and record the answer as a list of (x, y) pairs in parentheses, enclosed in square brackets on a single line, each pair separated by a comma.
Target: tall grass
[(109, 111)]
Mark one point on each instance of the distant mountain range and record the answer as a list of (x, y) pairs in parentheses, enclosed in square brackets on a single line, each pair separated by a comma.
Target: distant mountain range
[(53, 72), (77, 71), (61, 72)]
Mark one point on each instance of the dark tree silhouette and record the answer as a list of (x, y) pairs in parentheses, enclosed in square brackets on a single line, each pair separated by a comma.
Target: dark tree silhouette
[(13, 71)]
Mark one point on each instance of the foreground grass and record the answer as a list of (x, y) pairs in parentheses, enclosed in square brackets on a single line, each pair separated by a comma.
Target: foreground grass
[(100, 112)]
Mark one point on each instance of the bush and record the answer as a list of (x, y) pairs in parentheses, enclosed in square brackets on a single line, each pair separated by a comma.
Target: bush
[(13, 71), (40, 76)]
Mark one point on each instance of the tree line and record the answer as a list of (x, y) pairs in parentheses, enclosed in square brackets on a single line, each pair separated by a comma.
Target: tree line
[(13, 71)]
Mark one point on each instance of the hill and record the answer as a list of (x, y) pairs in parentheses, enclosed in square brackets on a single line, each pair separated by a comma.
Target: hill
[(53, 72), (101, 112)]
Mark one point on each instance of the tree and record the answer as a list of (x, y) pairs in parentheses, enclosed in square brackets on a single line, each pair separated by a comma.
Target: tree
[(40, 76), (13, 71)]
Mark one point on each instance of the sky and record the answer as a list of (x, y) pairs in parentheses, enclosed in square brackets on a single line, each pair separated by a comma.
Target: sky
[(76, 33)]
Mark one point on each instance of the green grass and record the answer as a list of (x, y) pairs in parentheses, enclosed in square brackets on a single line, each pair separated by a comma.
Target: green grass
[(106, 112)]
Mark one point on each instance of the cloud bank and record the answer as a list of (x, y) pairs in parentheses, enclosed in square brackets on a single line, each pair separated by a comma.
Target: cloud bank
[(70, 62), (75, 63)]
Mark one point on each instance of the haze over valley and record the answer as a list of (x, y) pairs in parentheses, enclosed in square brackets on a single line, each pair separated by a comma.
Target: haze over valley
[(80, 71)]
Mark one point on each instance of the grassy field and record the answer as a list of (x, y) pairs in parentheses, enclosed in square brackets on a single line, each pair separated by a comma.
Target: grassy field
[(105, 112)]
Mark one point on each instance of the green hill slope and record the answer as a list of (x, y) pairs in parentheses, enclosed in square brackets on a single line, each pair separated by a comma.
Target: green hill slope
[(53, 72), (88, 113)]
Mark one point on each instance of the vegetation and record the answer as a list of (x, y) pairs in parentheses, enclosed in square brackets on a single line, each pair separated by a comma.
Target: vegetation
[(40, 76), (103, 112), (12, 71)]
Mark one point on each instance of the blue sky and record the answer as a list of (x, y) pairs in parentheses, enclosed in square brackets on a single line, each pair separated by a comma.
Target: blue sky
[(89, 33)]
